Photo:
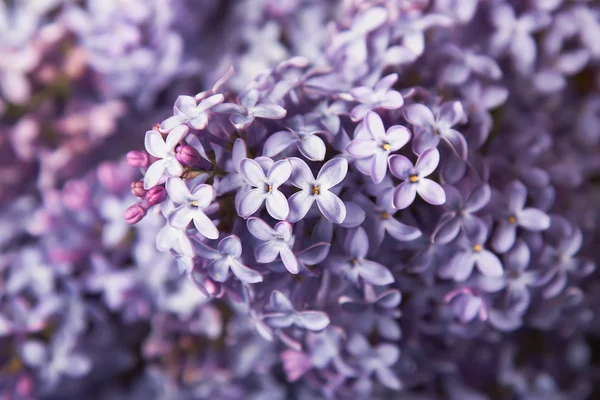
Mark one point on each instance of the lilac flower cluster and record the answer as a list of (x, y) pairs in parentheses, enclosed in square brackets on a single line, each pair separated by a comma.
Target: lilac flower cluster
[(374, 199)]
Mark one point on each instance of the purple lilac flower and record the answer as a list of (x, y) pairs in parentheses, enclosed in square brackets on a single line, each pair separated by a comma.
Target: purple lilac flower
[(191, 207), (225, 257), (473, 253), (381, 96), (414, 179), (515, 34), (516, 215), (302, 134), (283, 315), (467, 304), (266, 188), (378, 360), (188, 111), (165, 152), (432, 127), (460, 213), (317, 190), (353, 263), (248, 108), (278, 243), (372, 145)]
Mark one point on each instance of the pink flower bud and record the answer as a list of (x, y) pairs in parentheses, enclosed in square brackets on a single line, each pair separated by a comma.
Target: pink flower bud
[(135, 213), (187, 155), (137, 189), (137, 159), (156, 194)]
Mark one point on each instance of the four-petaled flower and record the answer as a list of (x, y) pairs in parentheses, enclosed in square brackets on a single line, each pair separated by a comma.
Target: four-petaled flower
[(473, 253), (303, 135), (516, 215), (414, 179), (355, 265), (190, 113), (191, 206), (278, 243), (266, 188), (319, 189), (227, 256), (284, 315), (378, 360), (431, 127), (372, 145), (247, 109), (165, 151), (379, 97)]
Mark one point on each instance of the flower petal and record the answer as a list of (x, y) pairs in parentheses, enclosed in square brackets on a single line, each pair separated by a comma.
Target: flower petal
[(279, 173), (419, 115), (266, 252), (431, 192), (451, 112), (178, 191), (393, 100), (204, 225), (289, 260), (154, 173), (204, 195), (312, 320), (489, 264), (205, 251), (479, 198), (277, 205), (155, 144), (269, 111), (301, 175), (251, 202), (356, 243), (332, 173), (379, 166), (404, 195), (504, 236), (400, 166), (533, 219), (300, 203), (260, 229), (252, 173), (374, 124), (361, 148), (332, 207), (219, 269), (244, 273), (397, 137), (231, 246), (312, 147), (516, 193), (314, 254), (172, 122), (400, 231), (375, 273), (181, 217), (427, 162)]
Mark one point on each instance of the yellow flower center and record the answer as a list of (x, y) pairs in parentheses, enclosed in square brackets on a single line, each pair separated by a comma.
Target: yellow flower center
[(316, 190), (414, 178), (512, 219), (354, 261), (386, 146), (385, 215), (477, 248), (269, 188), (195, 203)]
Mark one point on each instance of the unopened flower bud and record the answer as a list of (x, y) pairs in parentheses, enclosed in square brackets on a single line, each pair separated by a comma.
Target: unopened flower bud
[(135, 213), (156, 195), (137, 159), (137, 189), (187, 155)]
